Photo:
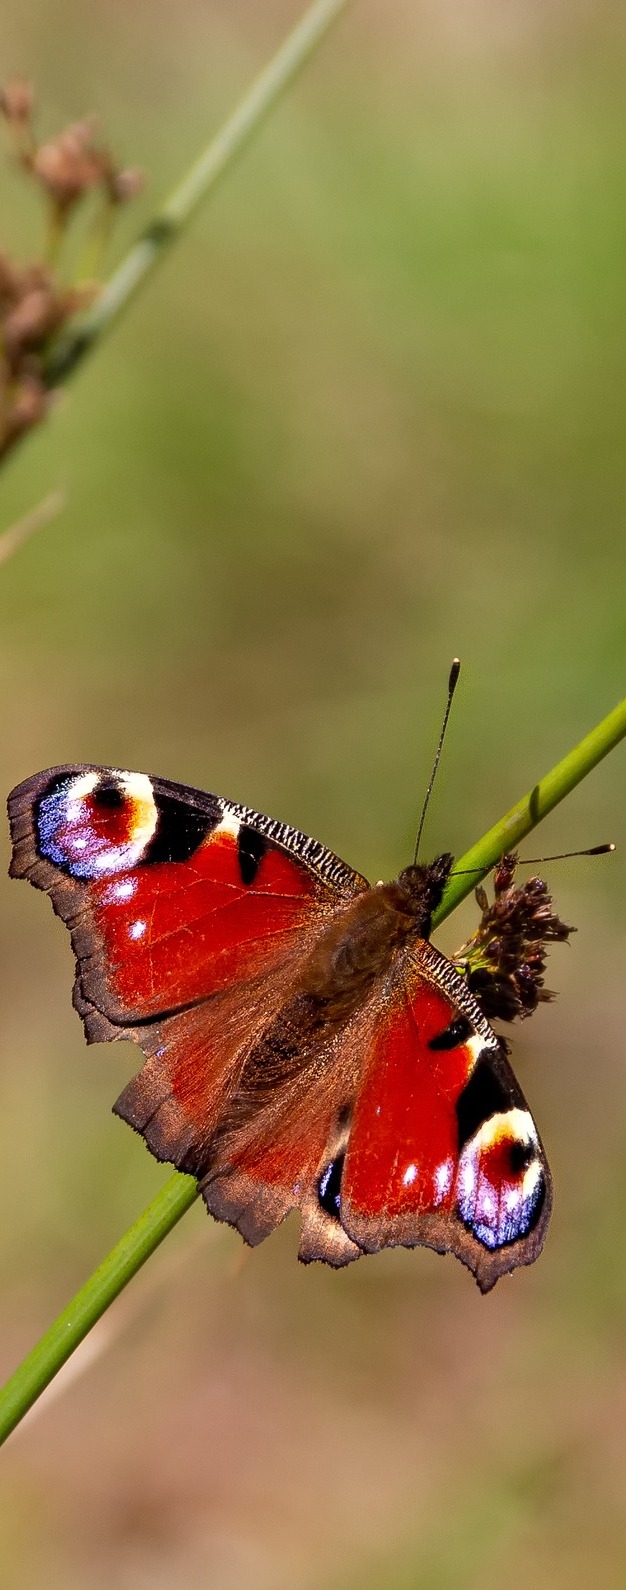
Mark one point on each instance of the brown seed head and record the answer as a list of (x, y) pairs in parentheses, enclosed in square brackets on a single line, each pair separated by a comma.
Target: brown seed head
[(69, 165), (505, 959), (17, 100)]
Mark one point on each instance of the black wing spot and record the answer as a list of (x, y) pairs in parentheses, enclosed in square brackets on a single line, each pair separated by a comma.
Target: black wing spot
[(458, 1032), (520, 1155), (329, 1187), (251, 848), (108, 794), (483, 1096), (180, 829)]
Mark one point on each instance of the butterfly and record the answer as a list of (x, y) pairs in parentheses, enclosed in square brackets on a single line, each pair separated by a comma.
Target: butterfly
[(306, 1045)]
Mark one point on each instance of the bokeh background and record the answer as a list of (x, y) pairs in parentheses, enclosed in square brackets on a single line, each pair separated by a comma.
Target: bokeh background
[(370, 414)]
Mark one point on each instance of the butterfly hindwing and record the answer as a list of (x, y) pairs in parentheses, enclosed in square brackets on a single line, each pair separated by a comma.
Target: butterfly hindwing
[(442, 1148), (408, 1128)]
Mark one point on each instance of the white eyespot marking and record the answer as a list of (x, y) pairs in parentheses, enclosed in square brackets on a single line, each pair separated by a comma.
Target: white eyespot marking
[(409, 1175), (467, 1179), (532, 1178), (138, 790), (136, 930), (511, 1125), (476, 1046), (443, 1179), (77, 788)]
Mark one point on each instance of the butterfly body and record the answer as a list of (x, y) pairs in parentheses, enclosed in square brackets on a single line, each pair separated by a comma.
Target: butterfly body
[(305, 1045)]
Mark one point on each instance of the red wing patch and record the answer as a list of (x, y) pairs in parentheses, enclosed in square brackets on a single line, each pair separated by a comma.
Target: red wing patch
[(442, 1147), (402, 1152)]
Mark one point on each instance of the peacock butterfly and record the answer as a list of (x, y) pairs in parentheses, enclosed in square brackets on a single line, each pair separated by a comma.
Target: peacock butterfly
[(305, 1044)]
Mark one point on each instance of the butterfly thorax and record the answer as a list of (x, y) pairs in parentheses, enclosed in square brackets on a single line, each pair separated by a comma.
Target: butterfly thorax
[(421, 890), (360, 944)]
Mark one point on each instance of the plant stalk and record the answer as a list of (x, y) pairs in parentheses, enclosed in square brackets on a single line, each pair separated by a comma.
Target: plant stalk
[(527, 813), (90, 1303), (70, 347), (55, 1347)]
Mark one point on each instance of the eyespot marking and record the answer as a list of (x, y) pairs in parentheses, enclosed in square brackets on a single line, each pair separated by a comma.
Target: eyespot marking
[(95, 824), (501, 1186)]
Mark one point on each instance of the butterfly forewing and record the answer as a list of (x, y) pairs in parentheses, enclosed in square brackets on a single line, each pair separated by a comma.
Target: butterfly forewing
[(171, 895), (188, 915)]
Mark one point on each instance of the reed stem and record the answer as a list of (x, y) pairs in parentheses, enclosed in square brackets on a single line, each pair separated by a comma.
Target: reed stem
[(70, 347)]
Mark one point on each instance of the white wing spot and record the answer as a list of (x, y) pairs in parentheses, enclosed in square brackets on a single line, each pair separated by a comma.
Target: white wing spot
[(229, 825), (443, 1178), (123, 890)]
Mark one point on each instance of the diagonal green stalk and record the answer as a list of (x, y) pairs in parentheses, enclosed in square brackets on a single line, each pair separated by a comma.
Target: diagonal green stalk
[(55, 1347), (541, 799), (68, 350), (91, 1302)]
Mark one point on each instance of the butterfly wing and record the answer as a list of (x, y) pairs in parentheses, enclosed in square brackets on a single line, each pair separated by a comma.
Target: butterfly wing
[(442, 1148), (188, 915)]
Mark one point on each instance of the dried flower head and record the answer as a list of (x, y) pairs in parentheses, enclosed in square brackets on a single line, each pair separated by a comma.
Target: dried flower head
[(69, 165), (122, 185), (17, 100), (505, 959), (32, 307), (33, 303)]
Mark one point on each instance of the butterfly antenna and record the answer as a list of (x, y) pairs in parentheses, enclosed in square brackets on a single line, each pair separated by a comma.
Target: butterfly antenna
[(566, 855), (537, 861), (452, 684)]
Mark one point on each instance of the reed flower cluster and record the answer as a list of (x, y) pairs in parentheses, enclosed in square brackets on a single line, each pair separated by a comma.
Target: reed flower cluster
[(505, 959), (35, 303)]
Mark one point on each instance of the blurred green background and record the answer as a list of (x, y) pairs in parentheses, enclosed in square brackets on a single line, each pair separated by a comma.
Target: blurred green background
[(370, 414)]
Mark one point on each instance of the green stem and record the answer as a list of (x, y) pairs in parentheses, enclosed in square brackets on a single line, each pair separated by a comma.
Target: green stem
[(71, 346), (121, 1264), (541, 799), (39, 1368)]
